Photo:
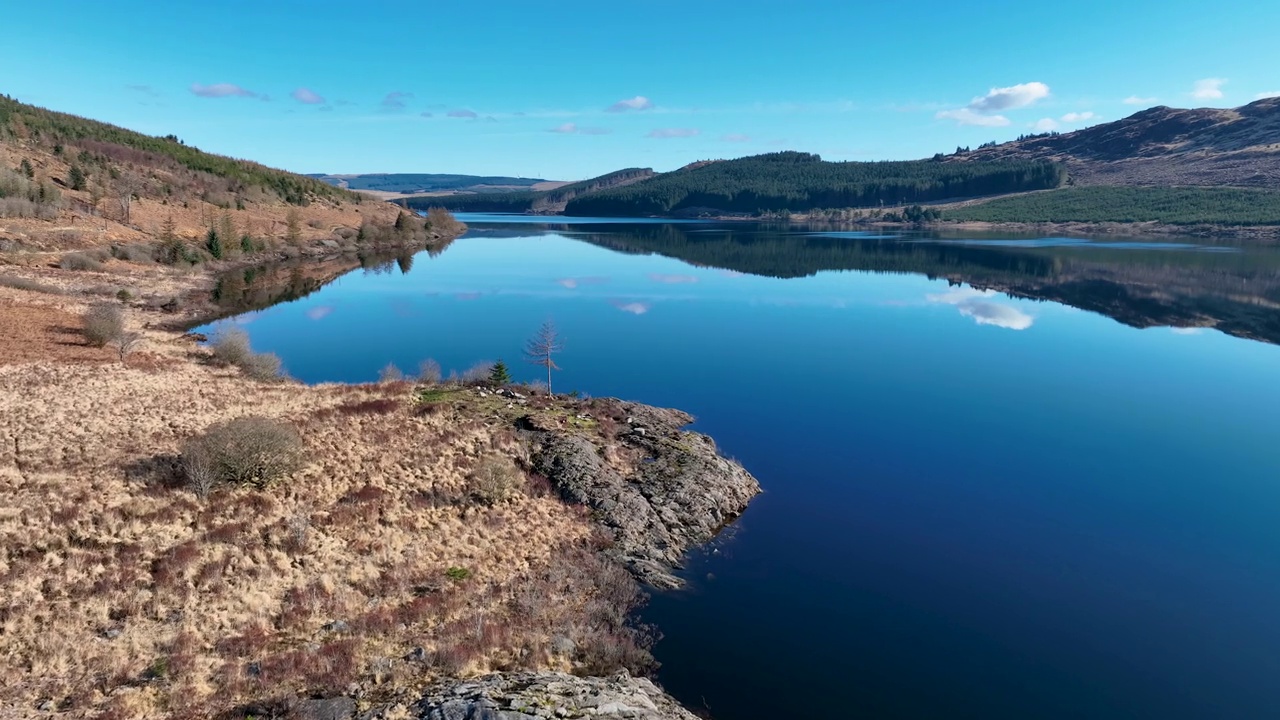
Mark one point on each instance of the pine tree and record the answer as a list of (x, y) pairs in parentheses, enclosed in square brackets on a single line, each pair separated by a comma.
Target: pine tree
[(213, 242), (499, 375), (27, 170), (75, 178)]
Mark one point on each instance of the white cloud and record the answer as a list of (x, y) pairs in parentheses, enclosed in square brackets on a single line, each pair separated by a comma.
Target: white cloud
[(573, 129), (638, 102), (674, 133), (965, 116), (307, 97), (974, 304), (1078, 117), (1010, 98), (1267, 94), (1208, 89), (1045, 125), (1135, 100), (982, 111), (221, 90)]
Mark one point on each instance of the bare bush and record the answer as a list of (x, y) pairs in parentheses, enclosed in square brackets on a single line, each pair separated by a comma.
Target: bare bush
[(262, 366), (126, 343), (103, 324), (78, 261), (429, 372), (199, 468), (231, 346), (390, 373), (139, 253), (249, 450), (478, 373), (20, 283), (495, 481)]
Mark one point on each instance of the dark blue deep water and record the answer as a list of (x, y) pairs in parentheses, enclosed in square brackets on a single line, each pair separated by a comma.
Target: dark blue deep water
[(976, 505)]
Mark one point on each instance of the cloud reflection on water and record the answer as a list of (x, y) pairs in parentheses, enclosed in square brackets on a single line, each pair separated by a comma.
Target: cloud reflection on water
[(973, 303)]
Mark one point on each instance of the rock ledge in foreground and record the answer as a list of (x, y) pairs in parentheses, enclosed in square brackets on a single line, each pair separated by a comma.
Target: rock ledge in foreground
[(533, 696)]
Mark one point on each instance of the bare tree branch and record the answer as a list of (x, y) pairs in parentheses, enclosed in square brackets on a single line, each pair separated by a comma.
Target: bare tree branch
[(541, 349)]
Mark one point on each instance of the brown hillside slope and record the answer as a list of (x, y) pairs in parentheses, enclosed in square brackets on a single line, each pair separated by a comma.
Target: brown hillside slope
[(1163, 146)]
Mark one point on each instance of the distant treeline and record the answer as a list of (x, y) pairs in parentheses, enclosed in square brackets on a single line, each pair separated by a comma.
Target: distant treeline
[(107, 144), (503, 202), (1172, 205), (546, 201), (421, 182), (794, 181)]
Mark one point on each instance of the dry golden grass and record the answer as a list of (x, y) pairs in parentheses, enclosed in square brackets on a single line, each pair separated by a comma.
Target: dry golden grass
[(127, 596), (76, 228)]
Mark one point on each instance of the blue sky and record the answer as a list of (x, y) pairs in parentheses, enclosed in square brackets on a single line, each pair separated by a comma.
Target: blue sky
[(572, 89)]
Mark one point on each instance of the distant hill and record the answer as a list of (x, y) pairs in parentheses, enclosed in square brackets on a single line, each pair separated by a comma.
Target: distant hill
[(411, 183), (541, 202), (1161, 146), (793, 181)]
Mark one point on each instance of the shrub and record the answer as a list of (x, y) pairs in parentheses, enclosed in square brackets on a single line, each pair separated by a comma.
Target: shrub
[(457, 573), (478, 373), (494, 481), (249, 450), (124, 295), (140, 253), (429, 371), (262, 366), (102, 324), (231, 346), (126, 343), (390, 373), (78, 261), (20, 283)]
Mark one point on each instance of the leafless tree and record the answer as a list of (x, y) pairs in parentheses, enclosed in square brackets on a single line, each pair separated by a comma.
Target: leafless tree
[(542, 347), (127, 188)]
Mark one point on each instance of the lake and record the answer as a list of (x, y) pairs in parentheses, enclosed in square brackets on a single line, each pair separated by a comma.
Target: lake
[(1005, 477)]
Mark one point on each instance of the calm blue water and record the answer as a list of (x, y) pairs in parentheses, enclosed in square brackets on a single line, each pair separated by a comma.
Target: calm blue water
[(976, 506)]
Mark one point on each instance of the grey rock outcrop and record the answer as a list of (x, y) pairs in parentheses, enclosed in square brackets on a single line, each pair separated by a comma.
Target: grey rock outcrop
[(532, 696), (661, 492)]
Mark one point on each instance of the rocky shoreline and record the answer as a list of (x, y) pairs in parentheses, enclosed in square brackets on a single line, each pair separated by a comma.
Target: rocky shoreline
[(670, 491)]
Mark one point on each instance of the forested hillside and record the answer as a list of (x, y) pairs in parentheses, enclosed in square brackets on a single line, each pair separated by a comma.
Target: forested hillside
[(795, 181), (549, 201), (96, 153)]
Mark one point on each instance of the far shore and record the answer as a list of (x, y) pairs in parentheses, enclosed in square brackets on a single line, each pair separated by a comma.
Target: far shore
[(1264, 234)]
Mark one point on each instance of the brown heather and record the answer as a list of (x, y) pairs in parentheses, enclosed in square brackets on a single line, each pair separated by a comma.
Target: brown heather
[(127, 595)]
